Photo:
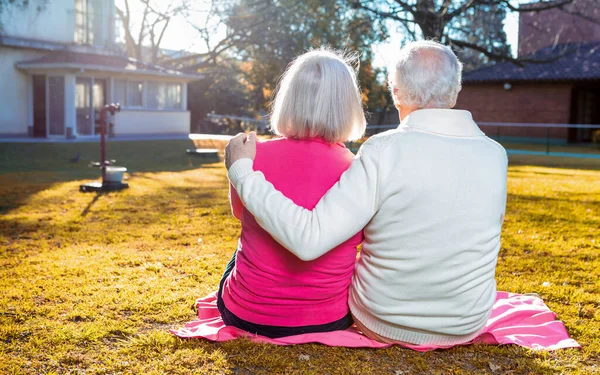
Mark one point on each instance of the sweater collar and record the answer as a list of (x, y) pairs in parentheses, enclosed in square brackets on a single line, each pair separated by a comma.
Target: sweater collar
[(451, 122)]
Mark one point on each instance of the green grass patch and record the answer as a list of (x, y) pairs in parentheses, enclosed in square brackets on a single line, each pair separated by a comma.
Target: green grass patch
[(92, 283)]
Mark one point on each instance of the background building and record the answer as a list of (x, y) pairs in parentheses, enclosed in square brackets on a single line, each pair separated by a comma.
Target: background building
[(60, 65), (563, 90)]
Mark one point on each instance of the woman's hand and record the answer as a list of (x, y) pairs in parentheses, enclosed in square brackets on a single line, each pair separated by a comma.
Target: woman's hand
[(240, 147)]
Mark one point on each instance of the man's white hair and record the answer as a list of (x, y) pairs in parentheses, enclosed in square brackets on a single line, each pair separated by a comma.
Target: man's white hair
[(318, 96), (427, 75)]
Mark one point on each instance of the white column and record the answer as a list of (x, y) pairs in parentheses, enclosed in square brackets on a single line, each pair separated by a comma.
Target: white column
[(111, 90), (184, 97), (70, 115)]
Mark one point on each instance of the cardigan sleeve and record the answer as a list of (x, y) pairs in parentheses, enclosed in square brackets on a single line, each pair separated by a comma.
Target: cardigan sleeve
[(342, 212)]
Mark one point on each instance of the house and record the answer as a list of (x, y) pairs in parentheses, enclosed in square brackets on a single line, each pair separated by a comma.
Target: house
[(565, 89), (59, 66)]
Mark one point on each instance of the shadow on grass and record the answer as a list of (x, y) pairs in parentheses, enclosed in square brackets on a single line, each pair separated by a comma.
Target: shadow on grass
[(579, 198), (69, 216), (247, 357), (564, 209), (554, 162), (86, 210), (28, 168), (140, 156)]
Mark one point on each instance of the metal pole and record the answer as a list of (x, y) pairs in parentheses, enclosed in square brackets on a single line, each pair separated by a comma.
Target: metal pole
[(112, 108)]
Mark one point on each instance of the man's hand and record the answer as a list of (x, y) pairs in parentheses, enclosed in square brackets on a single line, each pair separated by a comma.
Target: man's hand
[(239, 147)]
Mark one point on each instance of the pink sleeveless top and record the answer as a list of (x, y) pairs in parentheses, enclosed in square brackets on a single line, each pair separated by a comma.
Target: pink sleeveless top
[(269, 285)]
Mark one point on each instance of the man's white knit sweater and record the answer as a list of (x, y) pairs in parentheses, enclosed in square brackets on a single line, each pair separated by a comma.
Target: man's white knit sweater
[(431, 197)]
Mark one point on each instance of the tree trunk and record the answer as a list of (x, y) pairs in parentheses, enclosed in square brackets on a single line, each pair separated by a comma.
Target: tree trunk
[(431, 23)]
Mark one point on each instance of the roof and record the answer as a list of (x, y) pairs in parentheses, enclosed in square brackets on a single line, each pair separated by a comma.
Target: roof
[(103, 63), (579, 62), (20, 42)]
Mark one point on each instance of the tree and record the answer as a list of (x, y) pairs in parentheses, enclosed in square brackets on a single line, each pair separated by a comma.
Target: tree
[(144, 44), (220, 91), (264, 36), (483, 26), (271, 33), (464, 24)]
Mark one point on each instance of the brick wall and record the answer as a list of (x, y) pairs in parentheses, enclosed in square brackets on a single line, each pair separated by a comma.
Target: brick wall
[(523, 103)]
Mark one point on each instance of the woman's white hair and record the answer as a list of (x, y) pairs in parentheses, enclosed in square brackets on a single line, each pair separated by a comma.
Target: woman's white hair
[(318, 96), (427, 75)]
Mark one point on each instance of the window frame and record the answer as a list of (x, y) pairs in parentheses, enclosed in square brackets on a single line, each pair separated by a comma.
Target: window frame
[(85, 31), (176, 107), (142, 94)]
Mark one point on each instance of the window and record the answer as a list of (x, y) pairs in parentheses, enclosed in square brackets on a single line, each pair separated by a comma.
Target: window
[(147, 94), (155, 99), (89, 22), (119, 92), (173, 95), (83, 106), (84, 14), (135, 91), (163, 95)]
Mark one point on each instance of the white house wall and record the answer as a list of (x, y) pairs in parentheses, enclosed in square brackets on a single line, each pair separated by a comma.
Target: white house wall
[(152, 122), (15, 90), (55, 22), (70, 114)]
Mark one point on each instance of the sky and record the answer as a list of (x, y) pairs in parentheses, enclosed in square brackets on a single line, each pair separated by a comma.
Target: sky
[(180, 35)]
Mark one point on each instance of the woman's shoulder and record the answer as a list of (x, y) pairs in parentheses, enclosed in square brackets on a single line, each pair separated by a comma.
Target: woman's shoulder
[(270, 145), (305, 149)]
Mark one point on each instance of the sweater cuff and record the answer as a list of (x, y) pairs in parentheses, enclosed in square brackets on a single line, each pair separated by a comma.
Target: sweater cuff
[(240, 169)]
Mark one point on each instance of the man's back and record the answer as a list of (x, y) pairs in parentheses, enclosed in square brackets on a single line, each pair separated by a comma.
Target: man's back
[(430, 251)]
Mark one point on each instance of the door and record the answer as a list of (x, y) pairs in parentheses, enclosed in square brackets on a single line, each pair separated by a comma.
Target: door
[(39, 106), (99, 99), (83, 106), (585, 110), (56, 106)]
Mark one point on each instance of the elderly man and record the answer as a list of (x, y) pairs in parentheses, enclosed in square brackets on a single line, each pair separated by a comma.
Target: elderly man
[(431, 197)]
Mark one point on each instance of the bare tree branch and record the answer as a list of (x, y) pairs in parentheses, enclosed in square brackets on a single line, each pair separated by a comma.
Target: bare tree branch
[(582, 16), (445, 7), (388, 15), (125, 17), (461, 9), (536, 7), (142, 35), (501, 57), (405, 5)]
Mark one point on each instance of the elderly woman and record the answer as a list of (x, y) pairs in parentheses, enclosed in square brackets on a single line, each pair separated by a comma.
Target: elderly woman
[(265, 289), (432, 195)]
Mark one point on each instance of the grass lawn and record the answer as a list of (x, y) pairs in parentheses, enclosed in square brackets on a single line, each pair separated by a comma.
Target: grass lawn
[(91, 283)]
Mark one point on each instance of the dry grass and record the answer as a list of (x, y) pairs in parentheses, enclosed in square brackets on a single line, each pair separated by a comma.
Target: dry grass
[(91, 283)]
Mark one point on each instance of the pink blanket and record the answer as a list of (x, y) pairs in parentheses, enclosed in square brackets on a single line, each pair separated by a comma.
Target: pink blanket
[(518, 319)]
